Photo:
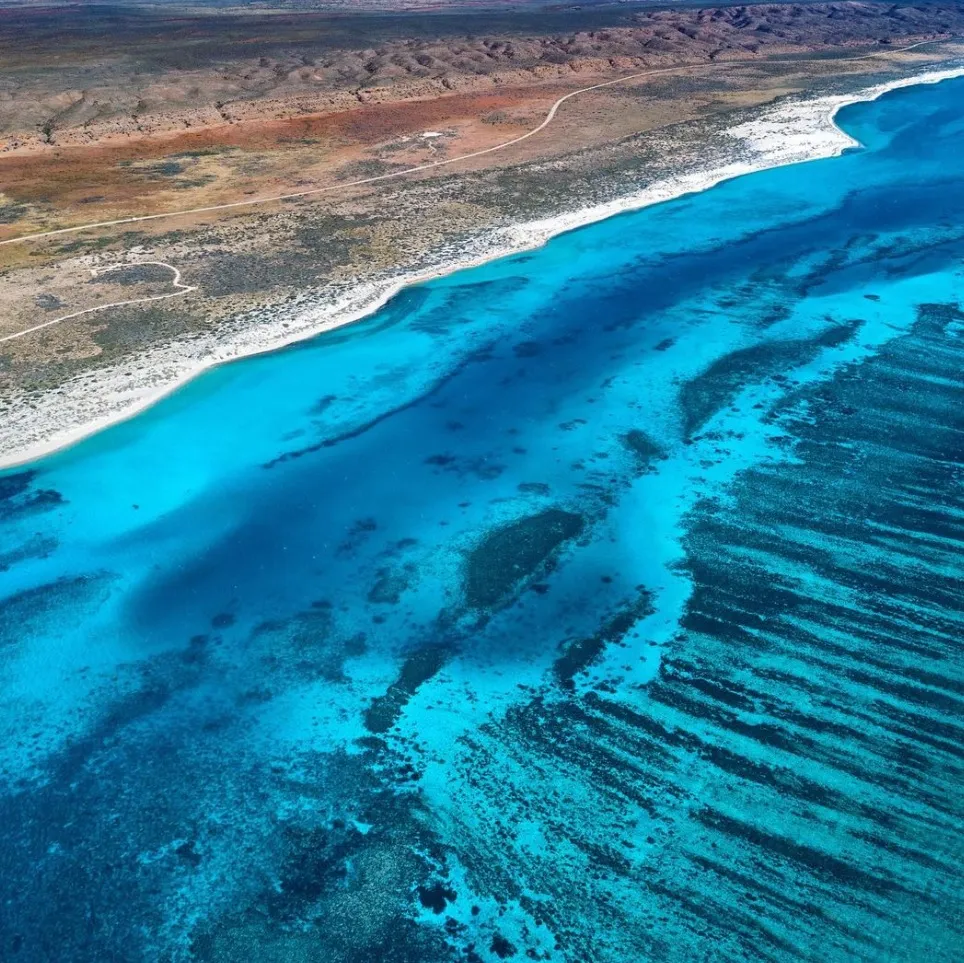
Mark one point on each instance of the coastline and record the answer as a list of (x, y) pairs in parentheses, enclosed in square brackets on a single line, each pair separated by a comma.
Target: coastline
[(798, 130)]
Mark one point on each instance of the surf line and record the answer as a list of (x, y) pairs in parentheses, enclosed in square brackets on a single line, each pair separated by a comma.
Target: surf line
[(432, 165), (179, 289)]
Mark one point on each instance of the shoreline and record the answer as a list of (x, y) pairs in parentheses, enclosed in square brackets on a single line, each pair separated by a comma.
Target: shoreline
[(798, 130)]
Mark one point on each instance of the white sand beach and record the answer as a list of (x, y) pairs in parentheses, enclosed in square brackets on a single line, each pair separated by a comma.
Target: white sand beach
[(795, 130)]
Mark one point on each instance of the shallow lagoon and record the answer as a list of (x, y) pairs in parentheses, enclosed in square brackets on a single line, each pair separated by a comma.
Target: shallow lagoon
[(601, 603)]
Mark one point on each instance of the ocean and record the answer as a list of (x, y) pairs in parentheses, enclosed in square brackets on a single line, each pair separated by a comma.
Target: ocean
[(601, 603)]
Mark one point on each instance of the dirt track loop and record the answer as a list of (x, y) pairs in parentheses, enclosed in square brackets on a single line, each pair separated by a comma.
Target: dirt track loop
[(97, 272)]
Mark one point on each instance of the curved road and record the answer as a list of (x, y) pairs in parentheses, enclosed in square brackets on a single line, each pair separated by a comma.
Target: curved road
[(96, 272), (550, 116), (442, 163)]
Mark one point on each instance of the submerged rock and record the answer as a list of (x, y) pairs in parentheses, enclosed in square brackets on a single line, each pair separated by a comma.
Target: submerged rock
[(513, 552)]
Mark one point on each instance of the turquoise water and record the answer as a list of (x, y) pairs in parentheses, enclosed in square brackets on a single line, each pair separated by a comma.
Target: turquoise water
[(599, 604)]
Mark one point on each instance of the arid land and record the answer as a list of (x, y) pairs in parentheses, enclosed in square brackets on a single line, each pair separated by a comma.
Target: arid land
[(144, 111)]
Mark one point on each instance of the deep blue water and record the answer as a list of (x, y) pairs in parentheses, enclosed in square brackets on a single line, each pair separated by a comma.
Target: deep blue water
[(599, 604)]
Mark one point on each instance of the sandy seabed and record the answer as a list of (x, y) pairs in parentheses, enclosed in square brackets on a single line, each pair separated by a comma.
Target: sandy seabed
[(799, 129)]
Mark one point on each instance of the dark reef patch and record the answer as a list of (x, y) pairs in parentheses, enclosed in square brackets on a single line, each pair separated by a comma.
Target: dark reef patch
[(645, 449), (15, 484), (305, 646), (579, 654), (418, 667), (436, 897), (701, 397), (502, 948), (17, 499), (38, 546), (514, 552), (440, 318), (26, 610), (318, 862), (938, 317), (388, 587), (338, 892), (479, 356), (527, 349), (482, 467), (323, 404)]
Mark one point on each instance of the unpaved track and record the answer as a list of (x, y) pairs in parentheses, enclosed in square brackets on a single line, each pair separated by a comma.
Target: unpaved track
[(251, 202), (179, 287), (550, 116)]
